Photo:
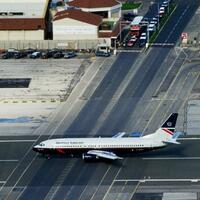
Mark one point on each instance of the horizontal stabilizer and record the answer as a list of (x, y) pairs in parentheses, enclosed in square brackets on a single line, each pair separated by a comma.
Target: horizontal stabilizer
[(172, 141), (174, 138)]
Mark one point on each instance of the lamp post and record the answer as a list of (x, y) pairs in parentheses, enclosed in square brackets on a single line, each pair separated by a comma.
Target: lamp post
[(147, 44), (158, 16)]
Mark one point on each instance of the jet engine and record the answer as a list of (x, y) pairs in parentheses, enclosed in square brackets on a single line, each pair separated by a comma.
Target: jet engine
[(89, 157)]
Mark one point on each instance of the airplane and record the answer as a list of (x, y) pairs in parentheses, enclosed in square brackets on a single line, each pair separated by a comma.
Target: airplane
[(110, 147)]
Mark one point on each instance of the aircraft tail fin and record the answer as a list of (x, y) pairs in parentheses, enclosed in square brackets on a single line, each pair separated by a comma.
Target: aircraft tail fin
[(166, 133)]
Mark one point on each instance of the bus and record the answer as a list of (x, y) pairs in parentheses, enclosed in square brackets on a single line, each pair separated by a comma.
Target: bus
[(135, 28)]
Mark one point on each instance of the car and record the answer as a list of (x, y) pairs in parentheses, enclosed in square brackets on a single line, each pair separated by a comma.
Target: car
[(102, 54), (152, 27), (143, 35), (34, 55), (142, 39), (8, 54), (131, 42), (19, 55), (153, 22), (58, 55), (29, 51), (70, 54), (165, 5), (47, 54), (161, 11)]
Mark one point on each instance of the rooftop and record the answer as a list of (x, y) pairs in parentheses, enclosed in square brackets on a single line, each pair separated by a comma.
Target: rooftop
[(23, 8), (79, 15), (93, 3), (22, 24)]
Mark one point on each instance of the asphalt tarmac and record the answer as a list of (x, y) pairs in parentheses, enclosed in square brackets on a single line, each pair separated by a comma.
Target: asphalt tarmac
[(134, 95)]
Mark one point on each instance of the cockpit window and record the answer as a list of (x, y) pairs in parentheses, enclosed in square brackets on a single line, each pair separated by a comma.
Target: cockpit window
[(42, 144)]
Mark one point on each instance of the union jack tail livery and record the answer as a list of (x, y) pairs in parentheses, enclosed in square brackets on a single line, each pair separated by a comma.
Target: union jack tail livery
[(166, 133)]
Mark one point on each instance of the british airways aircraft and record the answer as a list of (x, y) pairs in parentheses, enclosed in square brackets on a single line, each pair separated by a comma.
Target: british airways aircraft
[(111, 148)]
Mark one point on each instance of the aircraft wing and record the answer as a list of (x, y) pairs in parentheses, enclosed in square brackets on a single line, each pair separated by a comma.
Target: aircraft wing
[(104, 154), (119, 135)]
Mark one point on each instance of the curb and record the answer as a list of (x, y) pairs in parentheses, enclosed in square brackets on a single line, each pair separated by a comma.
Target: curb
[(24, 101)]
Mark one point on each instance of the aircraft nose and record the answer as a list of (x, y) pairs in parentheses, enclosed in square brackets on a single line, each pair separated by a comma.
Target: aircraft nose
[(35, 148)]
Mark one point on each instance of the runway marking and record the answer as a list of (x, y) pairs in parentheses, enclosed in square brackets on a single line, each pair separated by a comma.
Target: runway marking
[(99, 183), (173, 158), (158, 180), (192, 138), (2, 182), (18, 140), (9, 160)]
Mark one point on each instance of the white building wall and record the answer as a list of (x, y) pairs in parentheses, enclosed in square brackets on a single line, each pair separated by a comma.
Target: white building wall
[(22, 35), (34, 35), (69, 29)]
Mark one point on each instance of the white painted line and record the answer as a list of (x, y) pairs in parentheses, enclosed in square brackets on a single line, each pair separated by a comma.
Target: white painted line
[(18, 141), (2, 182), (192, 138), (157, 180), (9, 160), (173, 158)]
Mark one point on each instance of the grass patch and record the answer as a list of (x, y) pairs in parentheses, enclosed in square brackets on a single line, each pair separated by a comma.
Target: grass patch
[(130, 5), (108, 25), (162, 23)]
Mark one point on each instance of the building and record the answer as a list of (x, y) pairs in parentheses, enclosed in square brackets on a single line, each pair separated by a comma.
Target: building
[(75, 24), (22, 20), (104, 8)]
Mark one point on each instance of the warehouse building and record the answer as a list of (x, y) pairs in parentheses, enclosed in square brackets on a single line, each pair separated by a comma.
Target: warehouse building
[(20, 20)]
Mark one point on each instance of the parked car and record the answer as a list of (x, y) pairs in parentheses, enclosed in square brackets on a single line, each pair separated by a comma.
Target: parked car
[(8, 54), (143, 39), (47, 54), (58, 55), (36, 54), (20, 54), (70, 54), (161, 11), (102, 54)]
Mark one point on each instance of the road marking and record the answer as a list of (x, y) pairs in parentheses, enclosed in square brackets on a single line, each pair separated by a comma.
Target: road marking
[(9, 160), (18, 140), (128, 50), (2, 182), (158, 180), (169, 35), (97, 188), (173, 158), (192, 138)]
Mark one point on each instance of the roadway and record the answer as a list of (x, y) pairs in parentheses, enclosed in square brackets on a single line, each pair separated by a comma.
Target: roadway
[(134, 95)]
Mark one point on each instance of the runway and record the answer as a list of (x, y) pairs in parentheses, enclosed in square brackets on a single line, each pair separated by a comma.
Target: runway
[(136, 94), (163, 166)]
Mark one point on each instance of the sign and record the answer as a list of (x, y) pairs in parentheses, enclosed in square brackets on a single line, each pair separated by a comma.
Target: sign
[(184, 35)]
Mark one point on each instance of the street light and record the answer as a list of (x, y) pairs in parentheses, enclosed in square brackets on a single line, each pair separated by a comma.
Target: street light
[(158, 17), (147, 44)]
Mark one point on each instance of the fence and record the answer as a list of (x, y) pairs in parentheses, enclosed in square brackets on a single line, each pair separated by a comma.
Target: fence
[(50, 44)]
